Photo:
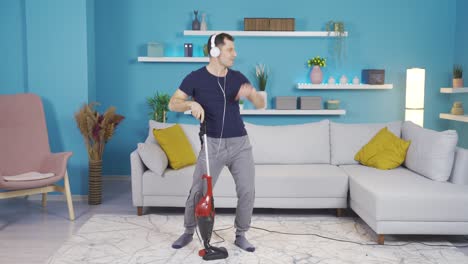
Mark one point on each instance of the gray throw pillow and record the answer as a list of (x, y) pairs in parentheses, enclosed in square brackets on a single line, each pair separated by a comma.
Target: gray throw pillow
[(347, 139), (153, 157), (430, 153)]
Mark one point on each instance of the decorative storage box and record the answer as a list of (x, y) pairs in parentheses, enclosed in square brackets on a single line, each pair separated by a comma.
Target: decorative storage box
[(155, 49), (286, 102), (371, 76), (256, 24), (282, 24), (269, 24), (310, 102), (333, 104)]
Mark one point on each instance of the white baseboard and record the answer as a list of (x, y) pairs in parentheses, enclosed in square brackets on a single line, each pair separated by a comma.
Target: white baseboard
[(77, 197), (116, 178)]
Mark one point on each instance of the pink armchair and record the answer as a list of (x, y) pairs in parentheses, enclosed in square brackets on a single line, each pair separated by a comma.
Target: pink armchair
[(24, 148)]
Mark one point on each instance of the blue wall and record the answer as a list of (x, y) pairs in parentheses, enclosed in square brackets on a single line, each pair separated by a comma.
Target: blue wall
[(46, 51), (12, 47), (74, 51), (461, 57), (90, 25), (393, 35)]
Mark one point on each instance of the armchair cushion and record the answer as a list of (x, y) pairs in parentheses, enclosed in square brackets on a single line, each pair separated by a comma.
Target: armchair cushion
[(153, 157), (29, 176)]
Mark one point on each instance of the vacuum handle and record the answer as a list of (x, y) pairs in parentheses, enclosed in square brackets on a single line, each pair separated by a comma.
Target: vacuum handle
[(206, 153), (204, 142)]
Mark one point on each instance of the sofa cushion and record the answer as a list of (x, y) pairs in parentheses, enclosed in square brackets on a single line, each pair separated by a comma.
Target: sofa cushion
[(179, 182), (172, 182), (384, 151), (431, 153), (191, 131), (153, 157), (290, 144), (300, 180), (175, 144), (347, 139), (271, 181), (403, 195)]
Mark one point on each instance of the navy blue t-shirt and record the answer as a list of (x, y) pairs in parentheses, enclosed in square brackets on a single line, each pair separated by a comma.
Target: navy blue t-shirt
[(203, 87)]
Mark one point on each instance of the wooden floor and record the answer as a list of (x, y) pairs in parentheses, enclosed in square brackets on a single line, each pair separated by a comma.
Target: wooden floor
[(30, 234)]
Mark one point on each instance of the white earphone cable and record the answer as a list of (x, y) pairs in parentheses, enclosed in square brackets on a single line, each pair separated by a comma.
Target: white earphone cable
[(224, 109)]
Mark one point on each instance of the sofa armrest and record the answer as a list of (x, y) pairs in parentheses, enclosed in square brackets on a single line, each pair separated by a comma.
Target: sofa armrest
[(137, 170), (460, 167)]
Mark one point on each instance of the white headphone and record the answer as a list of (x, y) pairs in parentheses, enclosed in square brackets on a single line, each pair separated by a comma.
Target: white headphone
[(214, 51)]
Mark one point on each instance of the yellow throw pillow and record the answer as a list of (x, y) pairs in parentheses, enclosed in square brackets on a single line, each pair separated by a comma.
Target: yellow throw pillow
[(384, 151), (177, 147)]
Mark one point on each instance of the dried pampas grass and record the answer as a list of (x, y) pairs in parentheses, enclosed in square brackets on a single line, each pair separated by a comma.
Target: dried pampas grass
[(96, 129)]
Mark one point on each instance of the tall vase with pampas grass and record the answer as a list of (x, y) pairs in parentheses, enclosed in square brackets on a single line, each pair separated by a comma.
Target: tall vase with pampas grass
[(97, 129)]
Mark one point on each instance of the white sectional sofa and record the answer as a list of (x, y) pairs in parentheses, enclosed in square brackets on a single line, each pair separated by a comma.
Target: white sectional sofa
[(312, 166)]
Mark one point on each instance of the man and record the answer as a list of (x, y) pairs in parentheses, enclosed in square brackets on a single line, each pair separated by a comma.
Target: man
[(215, 91)]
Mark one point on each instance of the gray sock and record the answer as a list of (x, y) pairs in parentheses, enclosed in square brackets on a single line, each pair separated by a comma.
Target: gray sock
[(242, 242), (182, 241)]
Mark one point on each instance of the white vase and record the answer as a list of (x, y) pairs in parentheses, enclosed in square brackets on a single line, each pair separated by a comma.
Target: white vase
[(203, 25), (265, 98), (241, 106)]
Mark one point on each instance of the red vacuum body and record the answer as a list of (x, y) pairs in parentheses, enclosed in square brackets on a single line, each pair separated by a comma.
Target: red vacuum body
[(205, 215)]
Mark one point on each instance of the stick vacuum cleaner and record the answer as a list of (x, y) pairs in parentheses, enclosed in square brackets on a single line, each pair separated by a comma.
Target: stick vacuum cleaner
[(205, 215)]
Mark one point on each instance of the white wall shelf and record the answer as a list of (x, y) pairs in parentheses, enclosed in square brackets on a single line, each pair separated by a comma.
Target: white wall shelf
[(454, 90), (461, 118), (309, 86), (264, 33), (173, 59), (288, 112)]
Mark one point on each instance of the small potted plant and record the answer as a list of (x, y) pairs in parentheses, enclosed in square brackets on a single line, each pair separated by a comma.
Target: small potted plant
[(316, 74), (262, 74), (457, 76), (159, 105), (338, 28), (205, 50), (241, 104)]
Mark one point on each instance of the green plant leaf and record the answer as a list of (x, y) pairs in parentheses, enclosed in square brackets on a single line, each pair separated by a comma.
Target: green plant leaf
[(159, 106)]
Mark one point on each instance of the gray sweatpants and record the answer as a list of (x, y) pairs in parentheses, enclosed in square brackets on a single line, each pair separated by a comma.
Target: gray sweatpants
[(236, 154)]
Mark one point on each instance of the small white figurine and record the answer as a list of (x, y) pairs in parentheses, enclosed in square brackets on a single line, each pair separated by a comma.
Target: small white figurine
[(355, 80), (343, 79)]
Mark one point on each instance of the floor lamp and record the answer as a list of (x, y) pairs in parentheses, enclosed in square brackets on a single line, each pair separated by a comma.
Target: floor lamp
[(414, 107)]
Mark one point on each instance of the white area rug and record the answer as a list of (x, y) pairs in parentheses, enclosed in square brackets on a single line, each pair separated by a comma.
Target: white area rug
[(147, 239)]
